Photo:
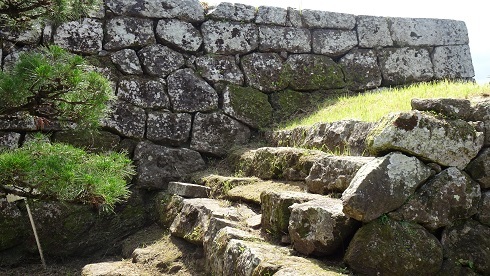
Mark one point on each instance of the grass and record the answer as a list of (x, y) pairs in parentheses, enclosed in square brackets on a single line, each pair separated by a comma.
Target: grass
[(372, 106)]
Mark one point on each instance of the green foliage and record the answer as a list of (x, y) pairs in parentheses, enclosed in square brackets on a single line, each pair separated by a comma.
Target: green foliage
[(55, 85), (61, 172), (18, 14)]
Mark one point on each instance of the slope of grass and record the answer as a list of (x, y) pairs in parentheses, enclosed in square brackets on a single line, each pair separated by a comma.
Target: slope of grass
[(371, 106)]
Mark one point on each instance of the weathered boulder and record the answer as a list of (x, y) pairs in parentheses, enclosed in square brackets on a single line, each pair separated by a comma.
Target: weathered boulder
[(9, 140), (110, 268), (190, 10), (468, 243), (143, 93), (278, 162), (127, 62), (100, 141), (158, 165), (180, 34), (405, 65), (189, 93), (276, 212), (451, 108), (265, 71), (126, 119), (229, 37), (233, 11), (188, 189), (373, 31), (271, 16), (334, 173), (333, 43), (20, 121), (167, 207), (294, 18), (216, 133), (319, 227), (159, 60), (314, 72), (481, 112), (452, 62), (29, 35), (382, 185), (168, 127), (123, 32), (443, 141), (215, 68), (484, 209), (84, 37), (247, 105), (361, 69), (389, 247), (328, 20), (12, 227), (446, 198), (277, 39), (427, 32)]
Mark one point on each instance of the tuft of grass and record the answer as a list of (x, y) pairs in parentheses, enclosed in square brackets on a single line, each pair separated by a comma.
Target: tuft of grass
[(372, 106)]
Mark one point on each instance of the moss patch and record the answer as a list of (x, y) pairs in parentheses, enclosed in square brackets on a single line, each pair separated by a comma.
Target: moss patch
[(250, 106)]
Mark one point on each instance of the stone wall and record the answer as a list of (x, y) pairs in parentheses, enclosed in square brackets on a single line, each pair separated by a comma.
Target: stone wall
[(193, 82)]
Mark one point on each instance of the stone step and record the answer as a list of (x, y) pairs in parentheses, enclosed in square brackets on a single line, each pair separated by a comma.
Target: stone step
[(188, 190)]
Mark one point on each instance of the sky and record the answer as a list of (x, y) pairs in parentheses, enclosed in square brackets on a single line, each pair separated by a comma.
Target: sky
[(474, 13)]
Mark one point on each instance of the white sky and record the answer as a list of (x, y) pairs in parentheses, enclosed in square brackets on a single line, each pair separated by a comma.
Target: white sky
[(474, 13)]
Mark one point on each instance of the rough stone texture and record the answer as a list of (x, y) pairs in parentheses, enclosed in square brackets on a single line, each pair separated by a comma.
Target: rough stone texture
[(188, 189), (183, 9), (288, 104), (319, 227), (127, 62), (143, 93), (481, 112), (271, 16), (383, 185), (361, 69), (388, 247), (31, 35), (233, 11), (328, 20), (405, 65), (189, 93), (229, 37), (83, 37), (159, 60), (479, 168), (313, 72), (427, 32), (294, 18), (276, 212), (101, 141), (168, 127), (215, 69), (265, 71), (451, 108), (446, 142), (278, 162), (167, 207), (216, 133), (468, 243), (247, 105), (9, 140), (334, 173), (373, 31), (182, 35), (448, 197), (126, 119), (122, 32), (18, 121), (484, 208), (287, 39), (110, 268), (333, 43), (452, 62), (158, 165), (12, 230)]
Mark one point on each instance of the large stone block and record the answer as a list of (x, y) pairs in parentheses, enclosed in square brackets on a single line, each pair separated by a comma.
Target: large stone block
[(277, 39), (229, 38), (265, 71), (169, 128), (158, 165), (452, 62), (271, 16), (188, 190), (126, 119), (448, 197), (361, 69), (143, 93), (159, 60), (127, 62), (218, 68), (189, 10), (479, 168), (216, 133), (373, 31), (333, 43), (180, 34), (405, 65), (83, 37), (382, 185), (30, 35), (328, 20), (451, 108), (484, 209), (247, 105), (446, 142), (233, 11), (123, 32), (189, 93)]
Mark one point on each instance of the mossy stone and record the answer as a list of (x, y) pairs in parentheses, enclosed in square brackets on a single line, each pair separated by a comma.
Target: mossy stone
[(248, 105)]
